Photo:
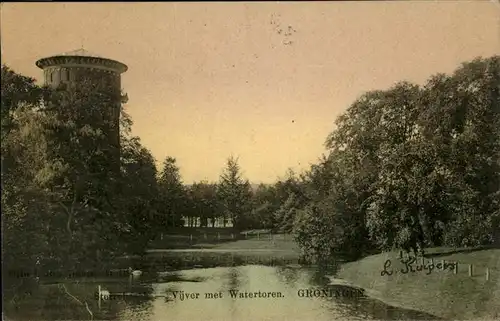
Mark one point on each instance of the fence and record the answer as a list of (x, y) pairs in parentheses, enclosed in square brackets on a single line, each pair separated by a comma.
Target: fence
[(205, 236)]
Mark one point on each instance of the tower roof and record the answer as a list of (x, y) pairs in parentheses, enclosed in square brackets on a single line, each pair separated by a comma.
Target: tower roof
[(81, 56), (80, 52)]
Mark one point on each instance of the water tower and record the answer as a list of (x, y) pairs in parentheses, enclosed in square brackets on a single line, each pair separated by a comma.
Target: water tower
[(74, 66)]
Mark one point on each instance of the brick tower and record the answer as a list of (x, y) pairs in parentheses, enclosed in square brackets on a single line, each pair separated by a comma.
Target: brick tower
[(74, 66)]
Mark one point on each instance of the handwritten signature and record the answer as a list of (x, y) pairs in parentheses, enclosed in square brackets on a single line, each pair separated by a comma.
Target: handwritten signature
[(409, 265)]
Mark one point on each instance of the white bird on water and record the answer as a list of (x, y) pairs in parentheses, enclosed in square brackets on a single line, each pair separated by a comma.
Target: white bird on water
[(134, 272)]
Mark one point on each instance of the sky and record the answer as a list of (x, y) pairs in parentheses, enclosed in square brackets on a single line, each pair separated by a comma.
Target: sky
[(263, 82)]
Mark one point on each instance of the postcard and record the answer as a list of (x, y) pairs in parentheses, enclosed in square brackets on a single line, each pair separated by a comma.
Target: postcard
[(197, 161)]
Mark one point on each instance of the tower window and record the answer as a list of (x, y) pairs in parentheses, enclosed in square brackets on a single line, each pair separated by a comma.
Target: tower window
[(51, 76), (67, 74)]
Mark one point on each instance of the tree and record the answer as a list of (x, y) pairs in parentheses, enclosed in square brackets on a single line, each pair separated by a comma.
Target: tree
[(285, 215), (405, 211), (140, 195), (333, 195), (265, 203), (82, 167), (461, 124), (16, 90), (291, 198), (400, 165), (61, 178), (26, 214), (19, 95), (172, 193), (234, 194), (204, 202), (318, 232)]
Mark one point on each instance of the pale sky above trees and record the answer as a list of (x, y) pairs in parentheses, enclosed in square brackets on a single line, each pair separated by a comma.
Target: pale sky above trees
[(261, 81)]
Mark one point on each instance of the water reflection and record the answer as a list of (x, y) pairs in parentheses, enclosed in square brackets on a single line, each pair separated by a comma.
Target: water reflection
[(218, 297)]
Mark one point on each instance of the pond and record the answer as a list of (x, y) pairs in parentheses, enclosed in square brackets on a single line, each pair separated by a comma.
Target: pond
[(255, 291)]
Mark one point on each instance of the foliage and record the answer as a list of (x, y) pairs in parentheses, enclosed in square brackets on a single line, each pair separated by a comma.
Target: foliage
[(265, 204), (173, 197), (317, 231), (333, 196), (234, 194), (290, 198), (25, 211), (204, 202), (461, 123), (407, 167), (139, 194), (63, 194), (411, 167), (16, 90)]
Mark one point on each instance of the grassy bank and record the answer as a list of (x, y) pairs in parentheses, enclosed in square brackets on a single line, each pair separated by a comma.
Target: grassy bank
[(277, 245), (441, 293), (223, 247), (281, 242), (222, 238)]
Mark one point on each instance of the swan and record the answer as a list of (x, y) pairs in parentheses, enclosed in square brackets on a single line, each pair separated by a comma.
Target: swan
[(134, 272), (104, 294)]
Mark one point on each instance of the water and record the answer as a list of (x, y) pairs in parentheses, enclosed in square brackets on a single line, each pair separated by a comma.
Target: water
[(154, 299)]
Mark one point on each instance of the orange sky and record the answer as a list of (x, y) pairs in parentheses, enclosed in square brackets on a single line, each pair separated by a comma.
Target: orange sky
[(207, 80)]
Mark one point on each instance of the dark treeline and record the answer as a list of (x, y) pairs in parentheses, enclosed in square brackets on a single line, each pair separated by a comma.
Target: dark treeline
[(408, 167), (74, 199)]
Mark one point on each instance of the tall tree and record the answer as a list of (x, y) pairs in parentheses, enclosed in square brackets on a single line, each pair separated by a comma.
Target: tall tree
[(234, 194), (140, 195), (63, 147), (172, 193), (82, 169), (27, 218), (461, 123), (400, 165)]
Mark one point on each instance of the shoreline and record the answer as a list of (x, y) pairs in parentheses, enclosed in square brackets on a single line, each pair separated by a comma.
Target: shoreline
[(376, 295), (440, 292)]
